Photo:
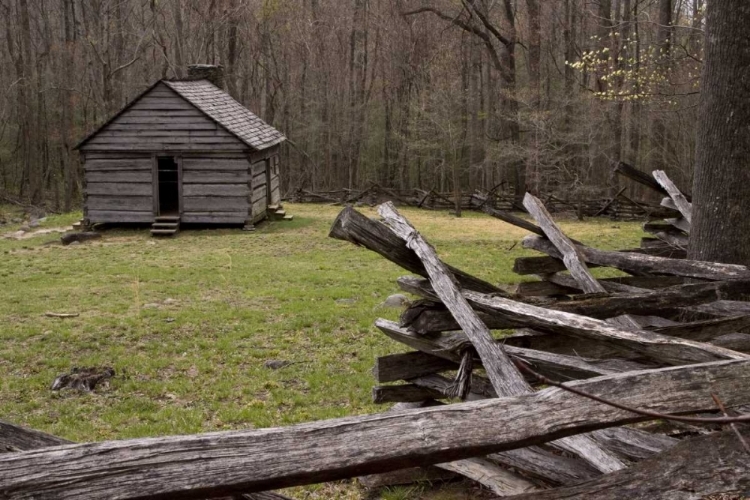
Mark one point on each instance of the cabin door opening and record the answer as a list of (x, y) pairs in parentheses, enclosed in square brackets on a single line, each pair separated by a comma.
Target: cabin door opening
[(169, 189)]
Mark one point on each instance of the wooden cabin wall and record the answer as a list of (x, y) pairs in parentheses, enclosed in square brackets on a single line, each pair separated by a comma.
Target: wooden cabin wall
[(163, 121), (275, 180), (215, 189), (259, 197), (118, 188)]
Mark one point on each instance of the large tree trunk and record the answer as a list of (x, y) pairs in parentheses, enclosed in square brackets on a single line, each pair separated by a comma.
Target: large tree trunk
[(721, 187)]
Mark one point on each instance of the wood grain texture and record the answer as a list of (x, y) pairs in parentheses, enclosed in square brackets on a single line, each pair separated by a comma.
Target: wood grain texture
[(14, 438), (216, 190), (504, 376), (661, 348), (120, 177), (408, 365), (210, 164), (498, 480), (633, 444), (694, 469), (120, 203), (115, 163), (214, 217), (203, 465), (149, 125), (548, 265), (360, 230), (214, 177), (597, 306), (641, 263), (682, 204), (119, 188), (120, 216), (570, 256), (215, 204), (450, 345)]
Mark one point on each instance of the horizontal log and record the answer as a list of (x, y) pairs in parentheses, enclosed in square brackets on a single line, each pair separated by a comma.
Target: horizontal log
[(123, 203), (493, 477), (214, 217), (481, 388), (425, 319), (121, 176), (695, 469), (217, 190), (409, 365), (215, 204), (676, 241), (120, 188), (119, 216), (403, 393), (612, 285), (549, 265), (214, 177), (406, 476), (175, 142), (633, 444), (722, 308), (98, 155), (158, 132), (215, 164), (707, 329), (164, 148), (660, 348), (654, 227), (187, 121), (641, 263), (230, 462), (109, 165), (550, 467), (356, 228), (739, 342), (14, 438), (449, 346)]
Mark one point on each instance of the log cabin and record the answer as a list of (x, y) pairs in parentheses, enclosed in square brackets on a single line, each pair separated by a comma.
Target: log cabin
[(183, 151)]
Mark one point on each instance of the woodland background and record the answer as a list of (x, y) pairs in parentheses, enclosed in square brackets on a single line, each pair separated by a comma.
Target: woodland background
[(537, 95)]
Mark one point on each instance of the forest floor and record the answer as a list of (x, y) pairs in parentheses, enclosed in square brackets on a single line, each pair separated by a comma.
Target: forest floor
[(189, 322)]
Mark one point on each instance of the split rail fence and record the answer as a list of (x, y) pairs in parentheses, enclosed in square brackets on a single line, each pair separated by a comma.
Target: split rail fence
[(666, 338)]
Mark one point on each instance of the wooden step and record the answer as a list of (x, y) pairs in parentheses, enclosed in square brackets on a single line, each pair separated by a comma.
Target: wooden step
[(163, 232), (288, 217), (165, 225), (167, 218), (273, 208), (280, 213)]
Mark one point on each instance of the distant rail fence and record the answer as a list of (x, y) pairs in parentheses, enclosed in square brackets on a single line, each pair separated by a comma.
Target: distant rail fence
[(620, 206)]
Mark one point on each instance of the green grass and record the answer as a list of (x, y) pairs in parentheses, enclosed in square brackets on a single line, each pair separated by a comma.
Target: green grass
[(188, 322)]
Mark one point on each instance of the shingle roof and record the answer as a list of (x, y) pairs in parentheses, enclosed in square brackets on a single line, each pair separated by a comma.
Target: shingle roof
[(228, 113)]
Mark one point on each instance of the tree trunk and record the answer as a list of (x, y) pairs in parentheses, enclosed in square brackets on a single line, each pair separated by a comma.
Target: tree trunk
[(721, 186)]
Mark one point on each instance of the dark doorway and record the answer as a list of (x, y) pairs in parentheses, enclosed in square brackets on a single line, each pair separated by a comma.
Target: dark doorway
[(169, 191)]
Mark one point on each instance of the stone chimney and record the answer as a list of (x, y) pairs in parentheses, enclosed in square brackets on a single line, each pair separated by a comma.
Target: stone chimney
[(214, 74)]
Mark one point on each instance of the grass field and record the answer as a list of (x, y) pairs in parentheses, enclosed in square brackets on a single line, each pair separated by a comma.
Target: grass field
[(188, 323)]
